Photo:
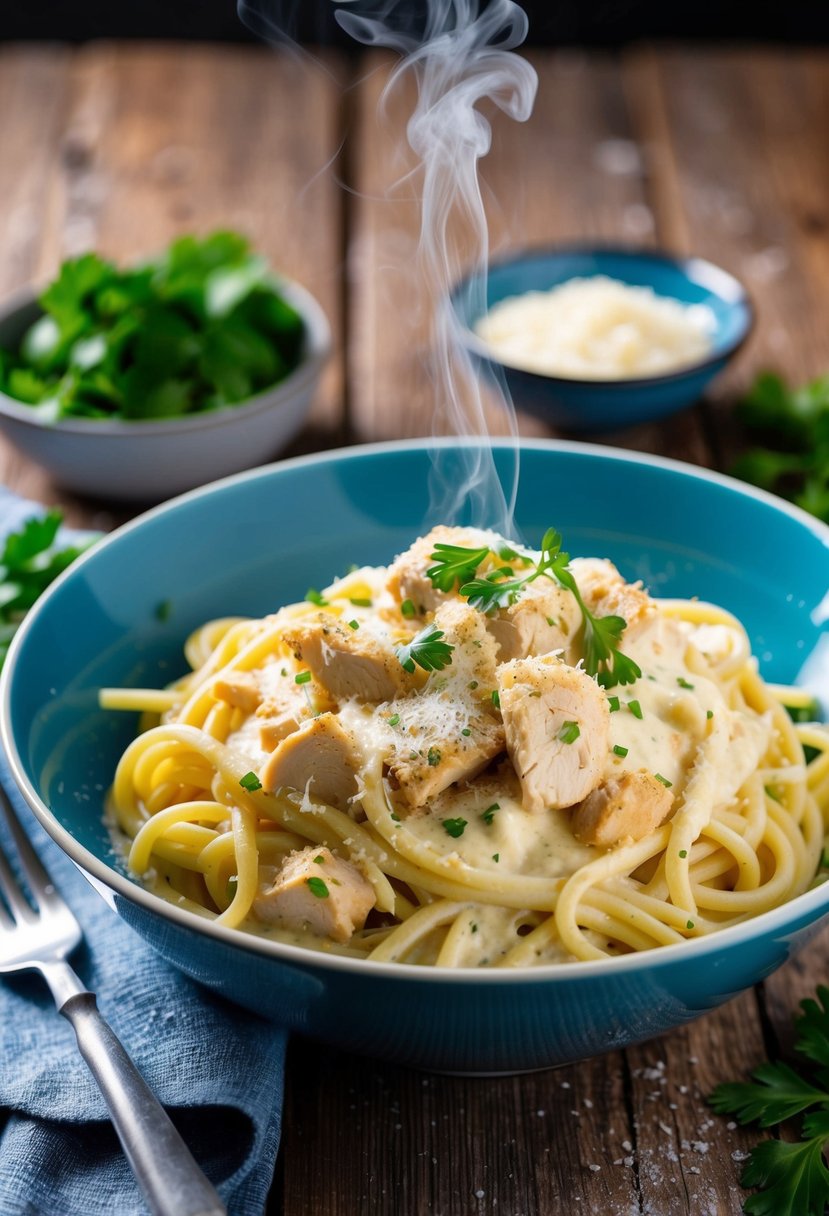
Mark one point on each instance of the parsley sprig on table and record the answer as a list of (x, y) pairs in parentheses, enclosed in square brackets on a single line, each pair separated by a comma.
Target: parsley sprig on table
[(793, 1177), (502, 587), (200, 327), (792, 425), (426, 649), (29, 561)]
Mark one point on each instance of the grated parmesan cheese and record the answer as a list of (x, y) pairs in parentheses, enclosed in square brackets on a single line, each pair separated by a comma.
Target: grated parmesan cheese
[(597, 329)]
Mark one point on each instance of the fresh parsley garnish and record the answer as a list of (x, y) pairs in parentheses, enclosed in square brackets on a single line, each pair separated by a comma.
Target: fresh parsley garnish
[(489, 814), (200, 327), (501, 588), (29, 561), (433, 757), (250, 782), (315, 597), (569, 732), (454, 565), (426, 650), (454, 827), (793, 424), (792, 1177), (317, 887)]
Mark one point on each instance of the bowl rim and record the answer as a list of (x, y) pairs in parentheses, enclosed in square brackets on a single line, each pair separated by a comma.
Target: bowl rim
[(695, 269), (812, 903), (319, 344)]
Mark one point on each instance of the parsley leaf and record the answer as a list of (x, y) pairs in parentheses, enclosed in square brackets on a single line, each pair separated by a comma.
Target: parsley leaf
[(793, 1178), (426, 650), (500, 589), (202, 326), (454, 565), (793, 424), (29, 561), (777, 1093)]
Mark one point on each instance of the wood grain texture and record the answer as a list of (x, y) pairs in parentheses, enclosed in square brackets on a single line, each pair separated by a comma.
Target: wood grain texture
[(739, 173), (719, 153), (574, 171), (128, 146)]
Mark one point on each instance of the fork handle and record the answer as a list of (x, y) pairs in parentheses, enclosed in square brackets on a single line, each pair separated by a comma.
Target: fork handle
[(172, 1182)]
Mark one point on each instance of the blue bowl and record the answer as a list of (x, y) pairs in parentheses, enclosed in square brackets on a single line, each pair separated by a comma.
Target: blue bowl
[(592, 405), (252, 542)]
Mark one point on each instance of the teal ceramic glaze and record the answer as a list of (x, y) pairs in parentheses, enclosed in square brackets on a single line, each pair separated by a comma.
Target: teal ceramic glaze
[(590, 405), (248, 544)]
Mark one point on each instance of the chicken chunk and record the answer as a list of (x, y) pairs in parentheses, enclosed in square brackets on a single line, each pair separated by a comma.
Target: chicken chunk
[(321, 757), (449, 732), (274, 729), (239, 689), (349, 662), (607, 594), (317, 892), (421, 773), (557, 724), (285, 704), (407, 574), (626, 807), (475, 651), (545, 617)]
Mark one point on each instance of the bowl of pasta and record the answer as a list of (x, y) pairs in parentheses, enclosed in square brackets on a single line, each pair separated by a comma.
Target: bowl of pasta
[(473, 800)]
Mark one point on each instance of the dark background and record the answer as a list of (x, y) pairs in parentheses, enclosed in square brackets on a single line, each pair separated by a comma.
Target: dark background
[(584, 22)]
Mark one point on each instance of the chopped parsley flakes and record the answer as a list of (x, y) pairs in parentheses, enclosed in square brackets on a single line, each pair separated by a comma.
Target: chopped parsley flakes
[(317, 887), (454, 827), (569, 732), (250, 782)]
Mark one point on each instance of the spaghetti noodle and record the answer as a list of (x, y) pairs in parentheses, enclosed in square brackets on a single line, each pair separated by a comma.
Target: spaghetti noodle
[(329, 776)]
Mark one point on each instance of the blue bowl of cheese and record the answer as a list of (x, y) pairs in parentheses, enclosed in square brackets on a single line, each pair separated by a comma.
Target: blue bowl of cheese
[(211, 553), (593, 339)]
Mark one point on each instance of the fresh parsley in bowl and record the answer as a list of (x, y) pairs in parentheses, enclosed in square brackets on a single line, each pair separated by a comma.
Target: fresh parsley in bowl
[(141, 382)]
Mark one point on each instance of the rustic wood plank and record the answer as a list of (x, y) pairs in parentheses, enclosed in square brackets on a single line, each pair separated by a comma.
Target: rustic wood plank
[(385, 1139), (686, 1158), (573, 171), (34, 85), (739, 172), (140, 143)]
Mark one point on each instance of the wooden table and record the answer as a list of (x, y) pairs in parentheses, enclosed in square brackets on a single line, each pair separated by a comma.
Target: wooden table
[(723, 153)]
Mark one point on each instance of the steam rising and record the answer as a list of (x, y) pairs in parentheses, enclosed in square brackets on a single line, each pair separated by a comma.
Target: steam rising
[(461, 53), (460, 56)]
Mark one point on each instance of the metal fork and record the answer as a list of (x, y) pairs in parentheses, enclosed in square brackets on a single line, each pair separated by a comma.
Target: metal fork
[(39, 936)]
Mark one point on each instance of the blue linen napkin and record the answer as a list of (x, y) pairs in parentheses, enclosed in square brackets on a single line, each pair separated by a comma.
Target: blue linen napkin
[(218, 1069)]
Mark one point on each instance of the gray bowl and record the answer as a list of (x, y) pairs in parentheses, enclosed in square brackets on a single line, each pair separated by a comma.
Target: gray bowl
[(150, 460)]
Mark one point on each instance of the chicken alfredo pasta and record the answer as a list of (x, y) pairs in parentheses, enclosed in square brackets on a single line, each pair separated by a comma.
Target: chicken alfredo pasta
[(479, 756)]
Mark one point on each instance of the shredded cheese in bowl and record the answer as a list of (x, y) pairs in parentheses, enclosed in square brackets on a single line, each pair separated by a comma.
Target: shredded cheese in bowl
[(597, 328)]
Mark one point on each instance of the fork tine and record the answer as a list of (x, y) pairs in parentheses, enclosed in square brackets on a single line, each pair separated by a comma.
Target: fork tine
[(10, 890), (41, 887)]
